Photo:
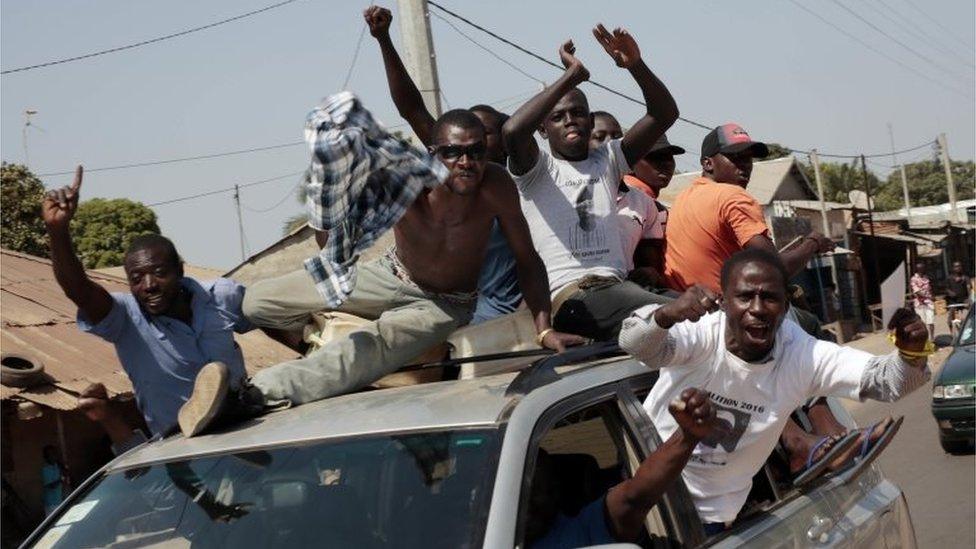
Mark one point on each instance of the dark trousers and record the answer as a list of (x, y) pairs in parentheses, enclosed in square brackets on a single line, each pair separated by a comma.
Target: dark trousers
[(597, 310)]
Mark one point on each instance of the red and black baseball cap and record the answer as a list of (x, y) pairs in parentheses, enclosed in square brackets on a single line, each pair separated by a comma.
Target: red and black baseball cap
[(663, 146), (731, 138)]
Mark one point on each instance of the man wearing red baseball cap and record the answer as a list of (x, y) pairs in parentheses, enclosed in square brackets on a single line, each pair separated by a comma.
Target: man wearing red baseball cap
[(715, 217)]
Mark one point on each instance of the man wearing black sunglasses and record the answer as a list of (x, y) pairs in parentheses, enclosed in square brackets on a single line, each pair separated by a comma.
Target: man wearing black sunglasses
[(498, 286), (569, 193)]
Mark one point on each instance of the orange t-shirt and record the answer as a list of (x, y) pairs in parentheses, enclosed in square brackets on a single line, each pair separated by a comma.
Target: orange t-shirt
[(708, 223), (634, 182)]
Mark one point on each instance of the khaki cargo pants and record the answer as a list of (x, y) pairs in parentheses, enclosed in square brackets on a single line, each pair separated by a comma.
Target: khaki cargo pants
[(406, 321)]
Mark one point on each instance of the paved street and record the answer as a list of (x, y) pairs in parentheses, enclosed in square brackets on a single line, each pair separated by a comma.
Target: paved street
[(939, 486)]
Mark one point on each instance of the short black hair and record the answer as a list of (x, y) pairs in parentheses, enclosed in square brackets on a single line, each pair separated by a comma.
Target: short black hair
[(754, 255), (500, 117), (605, 114), (151, 240), (459, 118)]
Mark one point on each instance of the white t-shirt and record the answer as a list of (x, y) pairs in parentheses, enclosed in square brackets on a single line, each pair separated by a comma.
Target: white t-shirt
[(571, 211), (752, 401), (637, 216)]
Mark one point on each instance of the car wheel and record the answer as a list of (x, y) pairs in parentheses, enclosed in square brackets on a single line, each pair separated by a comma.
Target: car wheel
[(955, 446)]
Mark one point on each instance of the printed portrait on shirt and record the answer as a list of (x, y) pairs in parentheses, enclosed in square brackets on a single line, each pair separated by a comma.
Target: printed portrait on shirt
[(589, 231)]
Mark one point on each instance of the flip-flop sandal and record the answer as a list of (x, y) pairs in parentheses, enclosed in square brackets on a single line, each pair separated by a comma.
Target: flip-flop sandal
[(813, 467), (870, 452)]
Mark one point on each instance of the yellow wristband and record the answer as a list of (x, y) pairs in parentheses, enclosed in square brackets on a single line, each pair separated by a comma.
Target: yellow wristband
[(542, 335), (928, 350)]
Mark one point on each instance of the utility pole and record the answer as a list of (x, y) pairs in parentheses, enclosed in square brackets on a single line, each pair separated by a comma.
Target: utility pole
[(27, 123), (944, 151), (815, 160), (240, 218), (418, 50), (904, 179)]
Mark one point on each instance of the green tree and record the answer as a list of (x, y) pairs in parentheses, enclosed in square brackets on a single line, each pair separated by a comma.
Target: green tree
[(103, 228), (839, 179), (927, 183), (21, 228), (777, 151)]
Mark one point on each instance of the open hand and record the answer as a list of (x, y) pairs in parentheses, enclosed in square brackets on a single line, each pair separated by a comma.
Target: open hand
[(620, 45), (93, 402), (567, 54), (378, 19), (910, 333), (693, 412), (558, 341), (696, 302), (59, 205)]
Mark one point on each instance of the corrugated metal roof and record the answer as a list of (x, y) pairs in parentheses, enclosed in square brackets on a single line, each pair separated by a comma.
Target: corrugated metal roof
[(38, 319), (766, 183)]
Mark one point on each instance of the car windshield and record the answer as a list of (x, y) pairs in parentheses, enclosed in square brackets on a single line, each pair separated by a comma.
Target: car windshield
[(968, 334), (427, 489)]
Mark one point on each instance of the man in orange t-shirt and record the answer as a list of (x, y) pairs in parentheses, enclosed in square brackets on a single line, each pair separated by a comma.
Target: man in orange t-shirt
[(715, 216)]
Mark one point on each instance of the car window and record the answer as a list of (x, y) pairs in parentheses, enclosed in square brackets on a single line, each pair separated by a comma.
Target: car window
[(575, 463), (368, 492), (968, 334)]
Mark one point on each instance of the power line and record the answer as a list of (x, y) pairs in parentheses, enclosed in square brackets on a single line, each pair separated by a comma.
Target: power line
[(490, 52), (940, 25), (150, 41), (615, 92), (915, 30), (224, 190), (175, 160), (884, 33), (355, 55), (875, 50), (276, 205)]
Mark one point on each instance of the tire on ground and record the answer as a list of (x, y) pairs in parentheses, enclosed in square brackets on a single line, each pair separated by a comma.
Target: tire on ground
[(20, 370)]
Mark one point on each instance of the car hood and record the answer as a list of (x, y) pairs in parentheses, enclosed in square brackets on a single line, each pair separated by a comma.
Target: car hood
[(959, 368)]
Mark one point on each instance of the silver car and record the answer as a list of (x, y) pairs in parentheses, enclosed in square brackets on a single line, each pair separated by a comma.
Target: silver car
[(447, 464)]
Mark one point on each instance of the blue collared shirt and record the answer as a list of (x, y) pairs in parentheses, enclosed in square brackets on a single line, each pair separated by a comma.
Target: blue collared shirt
[(162, 355), (589, 527)]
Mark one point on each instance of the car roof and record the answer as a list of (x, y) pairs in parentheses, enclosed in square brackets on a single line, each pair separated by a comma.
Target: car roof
[(480, 402), (448, 404)]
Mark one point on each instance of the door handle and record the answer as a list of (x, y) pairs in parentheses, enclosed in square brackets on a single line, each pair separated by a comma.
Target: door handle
[(819, 531)]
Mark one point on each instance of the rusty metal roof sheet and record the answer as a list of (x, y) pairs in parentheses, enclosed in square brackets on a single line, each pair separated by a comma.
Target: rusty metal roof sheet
[(38, 319)]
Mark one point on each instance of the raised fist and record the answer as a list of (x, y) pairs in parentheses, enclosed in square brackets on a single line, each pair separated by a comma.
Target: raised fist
[(378, 20), (696, 302), (59, 205), (694, 413)]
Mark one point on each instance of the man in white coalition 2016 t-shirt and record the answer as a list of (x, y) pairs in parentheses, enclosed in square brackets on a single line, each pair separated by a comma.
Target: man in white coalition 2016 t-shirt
[(758, 369)]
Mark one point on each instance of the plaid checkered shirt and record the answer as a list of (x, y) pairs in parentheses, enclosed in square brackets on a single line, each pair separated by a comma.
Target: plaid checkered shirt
[(361, 181)]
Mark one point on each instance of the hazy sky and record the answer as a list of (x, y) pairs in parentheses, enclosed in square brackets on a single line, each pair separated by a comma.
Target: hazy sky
[(783, 74)]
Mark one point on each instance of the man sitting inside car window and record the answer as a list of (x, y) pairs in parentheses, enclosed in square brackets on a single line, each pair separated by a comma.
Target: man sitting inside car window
[(619, 515), (758, 369)]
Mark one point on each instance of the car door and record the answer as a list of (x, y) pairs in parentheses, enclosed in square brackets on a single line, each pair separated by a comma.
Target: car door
[(590, 444)]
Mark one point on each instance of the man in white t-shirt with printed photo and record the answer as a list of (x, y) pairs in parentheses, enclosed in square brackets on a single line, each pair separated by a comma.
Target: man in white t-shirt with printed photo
[(569, 193), (758, 369)]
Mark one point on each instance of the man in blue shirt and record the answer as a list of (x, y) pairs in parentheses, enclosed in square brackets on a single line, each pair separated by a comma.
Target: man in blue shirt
[(164, 331), (618, 516)]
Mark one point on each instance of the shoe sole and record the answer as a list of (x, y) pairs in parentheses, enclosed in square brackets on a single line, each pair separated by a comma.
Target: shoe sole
[(209, 392)]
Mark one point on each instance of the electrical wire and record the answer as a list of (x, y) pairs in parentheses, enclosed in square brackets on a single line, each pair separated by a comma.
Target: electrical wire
[(911, 28), (224, 190), (355, 57), (150, 41), (615, 92), (486, 49), (175, 160), (925, 14), (875, 50), (884, 33), (277, 204)]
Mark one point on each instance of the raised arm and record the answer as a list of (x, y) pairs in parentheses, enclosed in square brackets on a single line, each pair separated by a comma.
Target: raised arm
[(646, 334), (629, 502), (662, 111), (517, 133), (406, 96), (58, 208)]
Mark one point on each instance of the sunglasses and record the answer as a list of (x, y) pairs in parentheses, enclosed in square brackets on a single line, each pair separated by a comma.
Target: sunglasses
[(475, 151)]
